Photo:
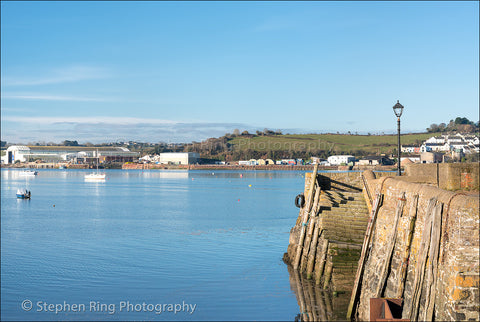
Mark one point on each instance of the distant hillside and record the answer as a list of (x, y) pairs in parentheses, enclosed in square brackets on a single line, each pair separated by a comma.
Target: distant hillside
[(241, 147)]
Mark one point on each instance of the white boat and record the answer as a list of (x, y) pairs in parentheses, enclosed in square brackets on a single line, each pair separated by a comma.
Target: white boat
[(29, 173), (97, 176), (23, 194)]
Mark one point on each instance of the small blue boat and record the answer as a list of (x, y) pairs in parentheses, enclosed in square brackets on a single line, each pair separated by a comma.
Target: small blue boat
[(23, 194)]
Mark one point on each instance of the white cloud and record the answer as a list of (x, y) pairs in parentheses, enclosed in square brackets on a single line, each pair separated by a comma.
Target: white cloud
[(47, 97), (85, 119), (110, 129), (62, 75)]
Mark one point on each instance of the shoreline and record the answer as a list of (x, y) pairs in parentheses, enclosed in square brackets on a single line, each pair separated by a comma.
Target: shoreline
[(148, 166)]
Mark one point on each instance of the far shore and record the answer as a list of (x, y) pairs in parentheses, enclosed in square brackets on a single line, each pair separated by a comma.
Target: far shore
[(151, 166)]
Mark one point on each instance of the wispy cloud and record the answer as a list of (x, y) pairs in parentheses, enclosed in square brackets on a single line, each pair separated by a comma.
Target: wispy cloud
[(62, 75), (85, 119), (101, 129), (48, 97), (110, 129)]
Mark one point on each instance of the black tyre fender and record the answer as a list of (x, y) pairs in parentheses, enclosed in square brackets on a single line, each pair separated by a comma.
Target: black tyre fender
[(300, 200)]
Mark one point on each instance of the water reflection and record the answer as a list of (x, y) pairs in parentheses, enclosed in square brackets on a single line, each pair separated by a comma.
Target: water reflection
[(16, 174), (168, 174), (316, 303)]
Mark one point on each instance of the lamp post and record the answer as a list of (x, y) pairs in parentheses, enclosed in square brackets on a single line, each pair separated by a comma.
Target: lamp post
[(398, 109)]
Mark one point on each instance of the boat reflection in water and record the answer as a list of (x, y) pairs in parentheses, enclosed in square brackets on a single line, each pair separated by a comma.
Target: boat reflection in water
[(316, 303)]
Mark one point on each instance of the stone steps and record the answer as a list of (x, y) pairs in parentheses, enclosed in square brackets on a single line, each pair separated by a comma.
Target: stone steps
[(345, 218), (346, 212), (338, 222), (342, 238), (342, 204)]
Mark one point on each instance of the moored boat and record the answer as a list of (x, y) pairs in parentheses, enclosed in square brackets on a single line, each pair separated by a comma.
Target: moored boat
[(23, 194), (95, 176), (29, 173)]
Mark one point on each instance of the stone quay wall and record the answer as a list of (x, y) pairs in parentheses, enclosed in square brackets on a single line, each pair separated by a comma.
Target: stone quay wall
[(334, 232), (448, 176), (451, 280)]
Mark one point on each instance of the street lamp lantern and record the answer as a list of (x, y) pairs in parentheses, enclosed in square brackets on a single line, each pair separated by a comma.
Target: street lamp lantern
[(398, 110)]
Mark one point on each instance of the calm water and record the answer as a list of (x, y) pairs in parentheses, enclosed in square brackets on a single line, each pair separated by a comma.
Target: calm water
[(144, 243)]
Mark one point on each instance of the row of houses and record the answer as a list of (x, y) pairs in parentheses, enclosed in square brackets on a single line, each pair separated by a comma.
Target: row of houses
[(463, 143), (270, 161), (333, 160)]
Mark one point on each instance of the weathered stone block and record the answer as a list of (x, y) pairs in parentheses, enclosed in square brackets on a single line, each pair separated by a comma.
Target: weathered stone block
[(463, 280), (460, 294)]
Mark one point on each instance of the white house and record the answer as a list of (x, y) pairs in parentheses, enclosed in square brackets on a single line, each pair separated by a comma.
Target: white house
[(465, 142), (457, 146), (410, 149), (436, 147), (436, 139), (339, 159)]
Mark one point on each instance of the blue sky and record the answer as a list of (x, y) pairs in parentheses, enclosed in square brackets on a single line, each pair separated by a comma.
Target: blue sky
[(182, 71)]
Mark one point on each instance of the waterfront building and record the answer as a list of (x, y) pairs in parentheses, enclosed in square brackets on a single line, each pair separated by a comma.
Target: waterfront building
[(339, 159), (375, 160), (179, 157), (73, 154)]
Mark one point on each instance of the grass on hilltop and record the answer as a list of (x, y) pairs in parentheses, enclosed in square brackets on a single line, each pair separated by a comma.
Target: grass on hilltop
[(334, 143)]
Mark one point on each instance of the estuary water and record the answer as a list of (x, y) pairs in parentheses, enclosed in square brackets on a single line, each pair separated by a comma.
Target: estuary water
[(148, 245)]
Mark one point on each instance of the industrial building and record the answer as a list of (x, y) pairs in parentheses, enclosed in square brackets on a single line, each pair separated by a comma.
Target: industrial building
[(73, 154), (179, 158)]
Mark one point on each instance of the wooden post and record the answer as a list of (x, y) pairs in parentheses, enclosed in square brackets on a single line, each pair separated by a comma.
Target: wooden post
[(433, 260), (313, 302), (323, 256), (363, 256), (328, 303), (306, 211), (311, 225), (321, 303), (406, 254), (328, 272), (386, 263), (421, 262), (313, 249), (307, 316), (301, 299)]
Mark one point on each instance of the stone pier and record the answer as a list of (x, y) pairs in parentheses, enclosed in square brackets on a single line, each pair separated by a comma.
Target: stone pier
[(424, 248)]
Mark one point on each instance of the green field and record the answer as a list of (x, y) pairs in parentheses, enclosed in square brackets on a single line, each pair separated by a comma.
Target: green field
[(331, 143)]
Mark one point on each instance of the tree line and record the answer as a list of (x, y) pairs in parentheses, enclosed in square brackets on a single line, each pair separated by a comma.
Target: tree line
[(460, 124)]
